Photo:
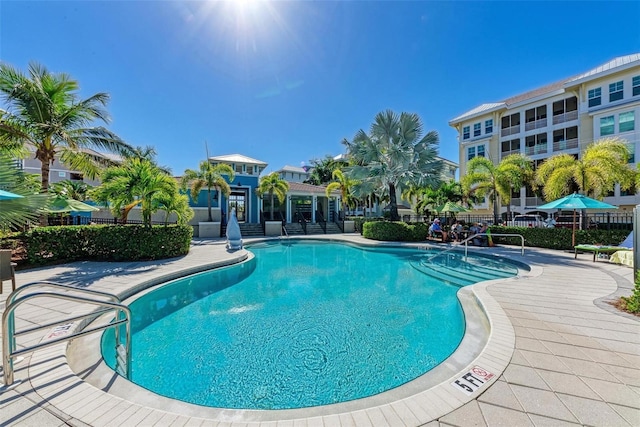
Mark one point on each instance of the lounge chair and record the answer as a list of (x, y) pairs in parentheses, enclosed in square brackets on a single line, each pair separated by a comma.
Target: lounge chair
[(6, 268), (626, 245)]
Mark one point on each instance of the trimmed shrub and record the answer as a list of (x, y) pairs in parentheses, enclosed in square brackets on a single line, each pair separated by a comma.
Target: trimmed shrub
[(395, 231), (106, 243), (557, 238)]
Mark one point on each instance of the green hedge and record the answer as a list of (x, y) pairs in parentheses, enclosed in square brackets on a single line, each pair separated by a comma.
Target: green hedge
[(557, 238), (395, 231), (105, 243), (550, 238)]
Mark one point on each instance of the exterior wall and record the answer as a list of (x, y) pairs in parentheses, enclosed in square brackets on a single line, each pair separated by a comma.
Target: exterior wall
[(57, 172), (585, 120)]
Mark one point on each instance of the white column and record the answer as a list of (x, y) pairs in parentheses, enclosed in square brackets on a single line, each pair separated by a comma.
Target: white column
[(314, 205), (288, 208)]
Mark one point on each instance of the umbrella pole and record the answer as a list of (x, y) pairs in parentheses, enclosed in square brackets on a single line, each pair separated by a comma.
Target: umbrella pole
[(573, 229)]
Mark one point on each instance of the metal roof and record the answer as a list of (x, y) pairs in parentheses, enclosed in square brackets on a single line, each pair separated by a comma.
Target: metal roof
[(295, 169), (237, 158), (300, 187), (480, 109), (610, 66)]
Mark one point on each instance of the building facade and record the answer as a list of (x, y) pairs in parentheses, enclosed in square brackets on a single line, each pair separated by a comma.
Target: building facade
[(560, 118)]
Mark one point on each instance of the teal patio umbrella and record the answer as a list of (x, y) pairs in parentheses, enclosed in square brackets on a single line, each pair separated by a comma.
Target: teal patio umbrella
[(576, 201), (6, 195)]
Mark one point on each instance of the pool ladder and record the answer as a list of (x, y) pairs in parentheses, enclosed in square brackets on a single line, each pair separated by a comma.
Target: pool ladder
[(9, 334)]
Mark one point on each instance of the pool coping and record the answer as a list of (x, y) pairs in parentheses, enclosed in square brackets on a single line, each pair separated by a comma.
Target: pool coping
[(426, 404)]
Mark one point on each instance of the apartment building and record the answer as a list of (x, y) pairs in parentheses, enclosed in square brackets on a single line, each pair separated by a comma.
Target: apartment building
[(563, 117)]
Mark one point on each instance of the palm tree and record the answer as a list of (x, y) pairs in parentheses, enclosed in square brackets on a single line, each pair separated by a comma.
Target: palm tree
[(135, 182), (483, 179), (45, 112), (210, 177), (602, 165), (515, 171), (322, 170), (76, 190), (344, 184), (16, 213), (395, 155), (273, 185), (177, 204)]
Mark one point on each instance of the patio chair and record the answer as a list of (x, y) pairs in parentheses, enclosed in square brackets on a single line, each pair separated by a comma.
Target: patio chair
[(625, 245), (6, 268)]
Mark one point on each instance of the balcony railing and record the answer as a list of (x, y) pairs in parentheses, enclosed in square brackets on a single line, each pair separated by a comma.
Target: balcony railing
[(535, 124), (565, 145), (561, 118), (508, 153), (510, 130), (536, 149), (534, 201)]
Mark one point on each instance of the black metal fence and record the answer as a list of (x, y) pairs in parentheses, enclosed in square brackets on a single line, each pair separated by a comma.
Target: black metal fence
[(83, 220), (603, 221)]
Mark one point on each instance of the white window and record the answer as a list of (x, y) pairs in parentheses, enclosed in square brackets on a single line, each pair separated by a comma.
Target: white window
[(238, 168), (488, 126), (607, 126), (475, 151), (627, 121), (471, 153), (62, 174), (476, 129), (615, 91), (249, 170), (595, 97), (465, 132), (635, 84)]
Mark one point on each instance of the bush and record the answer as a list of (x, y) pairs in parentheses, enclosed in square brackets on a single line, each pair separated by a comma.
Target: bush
[(632, 303), (106, 243), (557, 238), (549, 238), (395, 231)]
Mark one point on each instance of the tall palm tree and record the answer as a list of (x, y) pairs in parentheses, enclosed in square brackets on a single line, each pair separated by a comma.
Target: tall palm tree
[(395, 155), (344, 184), (273, 185), (483, 179), (136, 182), (43, 110), (210, 177), (514, 172), (602, 165)]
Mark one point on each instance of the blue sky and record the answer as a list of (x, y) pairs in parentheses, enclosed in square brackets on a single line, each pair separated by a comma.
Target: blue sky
[(285, 82)]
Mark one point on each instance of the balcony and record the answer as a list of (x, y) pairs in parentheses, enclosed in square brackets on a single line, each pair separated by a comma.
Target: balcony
[(561, 118), (536, 149), (536, 124), (508, 153), (534, 201), (510, 130), (565, 145)]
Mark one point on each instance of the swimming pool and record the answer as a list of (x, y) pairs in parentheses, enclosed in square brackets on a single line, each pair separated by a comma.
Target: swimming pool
[(301, 324)]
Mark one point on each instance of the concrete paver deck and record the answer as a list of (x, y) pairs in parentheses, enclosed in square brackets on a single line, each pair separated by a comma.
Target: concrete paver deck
[(570, 358)]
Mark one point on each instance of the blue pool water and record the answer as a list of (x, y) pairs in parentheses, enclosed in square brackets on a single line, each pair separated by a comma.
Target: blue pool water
[(302, 324)]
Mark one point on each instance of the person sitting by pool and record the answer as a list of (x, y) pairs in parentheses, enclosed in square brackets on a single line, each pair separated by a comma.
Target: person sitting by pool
[(481, 240), (456, 231), (435, 230)]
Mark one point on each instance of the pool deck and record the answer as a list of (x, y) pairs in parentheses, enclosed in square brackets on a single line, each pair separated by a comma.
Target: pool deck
[(562, 354)]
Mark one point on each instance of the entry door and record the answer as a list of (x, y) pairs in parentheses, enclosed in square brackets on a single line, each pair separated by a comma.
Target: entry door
[(237, 201)]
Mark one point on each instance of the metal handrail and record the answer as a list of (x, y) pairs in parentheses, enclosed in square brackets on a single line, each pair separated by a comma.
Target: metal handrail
[(14, 295), (473, 236), (8, 329)]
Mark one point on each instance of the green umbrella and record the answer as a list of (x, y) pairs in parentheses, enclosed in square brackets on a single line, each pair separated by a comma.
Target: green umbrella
[(61, 205), (576, 201), (450, 207)]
